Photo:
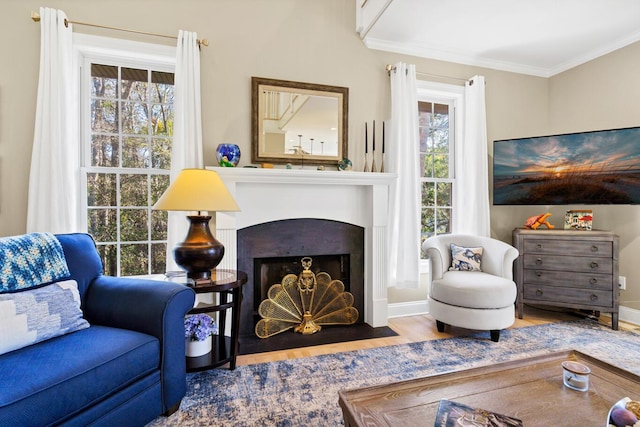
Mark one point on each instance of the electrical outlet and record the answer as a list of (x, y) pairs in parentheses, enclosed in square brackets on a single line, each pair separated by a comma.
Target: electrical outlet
[(622, 282)]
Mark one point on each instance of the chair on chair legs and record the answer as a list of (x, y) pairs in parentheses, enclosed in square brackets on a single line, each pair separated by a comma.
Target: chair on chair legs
[(474, 288)]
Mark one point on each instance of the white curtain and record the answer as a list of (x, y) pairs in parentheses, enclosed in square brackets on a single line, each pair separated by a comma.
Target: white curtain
[(471, 193), (403, 159), (54, 179), (186, 151)]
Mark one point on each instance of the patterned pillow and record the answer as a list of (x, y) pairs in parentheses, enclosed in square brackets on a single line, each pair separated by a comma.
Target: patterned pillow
[(465, 259), (38, 314), (31, 260)]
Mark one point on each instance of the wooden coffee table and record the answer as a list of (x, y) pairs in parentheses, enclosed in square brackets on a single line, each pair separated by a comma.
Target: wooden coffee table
[(530, 389)]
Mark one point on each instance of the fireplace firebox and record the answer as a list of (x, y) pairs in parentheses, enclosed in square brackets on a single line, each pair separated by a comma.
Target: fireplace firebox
[(270, 271), (269, 251)]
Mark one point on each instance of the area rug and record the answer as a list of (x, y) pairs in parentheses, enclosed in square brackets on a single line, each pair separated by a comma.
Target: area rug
[(304, 392)]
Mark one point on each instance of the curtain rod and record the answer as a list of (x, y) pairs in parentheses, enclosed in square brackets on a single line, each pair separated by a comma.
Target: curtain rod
[(36, 18), (391, 68)]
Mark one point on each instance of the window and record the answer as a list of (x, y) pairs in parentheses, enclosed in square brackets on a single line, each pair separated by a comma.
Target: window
[(127, 138), (436, 121)]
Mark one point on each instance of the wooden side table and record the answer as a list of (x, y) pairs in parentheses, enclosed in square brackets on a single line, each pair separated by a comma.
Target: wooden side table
[(224, 284)]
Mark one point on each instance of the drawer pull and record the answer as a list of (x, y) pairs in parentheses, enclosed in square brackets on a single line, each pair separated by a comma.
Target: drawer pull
[(593, 281), (593, 264), (594, 248), (538, 273), (594, 297), (539, 261), (539, 292), (539, 246)]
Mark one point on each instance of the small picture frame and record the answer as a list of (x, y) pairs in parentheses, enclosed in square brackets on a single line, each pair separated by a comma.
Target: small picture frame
[(578, 220)]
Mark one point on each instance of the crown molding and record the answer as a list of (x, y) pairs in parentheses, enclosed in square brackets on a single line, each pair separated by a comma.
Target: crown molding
[(469, 59)]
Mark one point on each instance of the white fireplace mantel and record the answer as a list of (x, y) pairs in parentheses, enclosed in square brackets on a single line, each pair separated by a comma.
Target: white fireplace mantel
[(358, 198)]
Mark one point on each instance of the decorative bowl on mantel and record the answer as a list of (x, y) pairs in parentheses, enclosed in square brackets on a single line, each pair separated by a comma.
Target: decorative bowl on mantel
[(228, 155), (345, 165)]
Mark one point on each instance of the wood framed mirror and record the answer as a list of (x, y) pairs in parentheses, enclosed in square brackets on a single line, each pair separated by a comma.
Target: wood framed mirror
[(298, 123)]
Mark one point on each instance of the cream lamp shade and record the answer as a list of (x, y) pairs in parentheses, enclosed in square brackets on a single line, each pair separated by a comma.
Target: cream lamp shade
[(197, 190)]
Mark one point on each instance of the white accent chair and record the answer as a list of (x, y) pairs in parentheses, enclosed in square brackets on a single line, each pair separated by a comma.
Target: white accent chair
[(481, 300)]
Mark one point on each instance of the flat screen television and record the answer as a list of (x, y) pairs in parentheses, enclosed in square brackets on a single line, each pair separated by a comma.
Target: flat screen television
[(588, 168)]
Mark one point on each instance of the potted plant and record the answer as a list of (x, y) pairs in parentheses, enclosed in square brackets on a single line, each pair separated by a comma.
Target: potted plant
[(198, 329)]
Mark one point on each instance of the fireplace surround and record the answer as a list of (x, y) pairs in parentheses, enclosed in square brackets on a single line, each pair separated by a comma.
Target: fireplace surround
[(354, 198)]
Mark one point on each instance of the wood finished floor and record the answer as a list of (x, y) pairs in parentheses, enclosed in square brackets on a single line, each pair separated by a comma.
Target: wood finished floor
[(413, 329)]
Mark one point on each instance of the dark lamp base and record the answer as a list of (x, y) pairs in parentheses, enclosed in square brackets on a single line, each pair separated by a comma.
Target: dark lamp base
[(200, 252)]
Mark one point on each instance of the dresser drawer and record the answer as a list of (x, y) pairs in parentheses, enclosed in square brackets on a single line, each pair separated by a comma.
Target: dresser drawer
[(575, 247), (569, 279), (586, 297), (570, 268), (568, 263)]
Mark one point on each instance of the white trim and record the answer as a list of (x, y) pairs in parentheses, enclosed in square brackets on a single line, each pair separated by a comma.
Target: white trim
[(405, 309), (368, 13), (134, 53), (357, 198), (469, 58), (453, 96), (629, 315), (418, 308), (440, 90), (455, 57), (88, 49), (593, 54)]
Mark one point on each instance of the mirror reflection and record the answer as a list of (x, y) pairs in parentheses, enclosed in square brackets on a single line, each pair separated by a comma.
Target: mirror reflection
[(297, 122)]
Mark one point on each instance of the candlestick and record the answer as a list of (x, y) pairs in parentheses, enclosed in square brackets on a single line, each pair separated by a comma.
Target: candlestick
[(373, 137), (366, 139), (366, 149)]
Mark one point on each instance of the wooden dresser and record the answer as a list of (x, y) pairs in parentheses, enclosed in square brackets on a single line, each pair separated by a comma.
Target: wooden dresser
[(567, 268)]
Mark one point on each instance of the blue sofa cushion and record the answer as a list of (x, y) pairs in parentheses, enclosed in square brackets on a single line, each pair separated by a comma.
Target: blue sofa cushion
[(56, 379), (31, 260), (39, 314)]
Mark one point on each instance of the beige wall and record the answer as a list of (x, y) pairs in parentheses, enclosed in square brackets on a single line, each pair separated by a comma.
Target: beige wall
[(604, 94), (310, 41)]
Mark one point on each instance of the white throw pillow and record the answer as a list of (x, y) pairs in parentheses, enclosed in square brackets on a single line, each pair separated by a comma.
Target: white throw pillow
[(35, 315), (466, 259)]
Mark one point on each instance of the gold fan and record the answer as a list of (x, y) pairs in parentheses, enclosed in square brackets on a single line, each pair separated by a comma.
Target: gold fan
[(304, 303)]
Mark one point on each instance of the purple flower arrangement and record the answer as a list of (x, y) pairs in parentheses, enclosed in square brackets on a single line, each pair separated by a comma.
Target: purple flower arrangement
[(198, 327)]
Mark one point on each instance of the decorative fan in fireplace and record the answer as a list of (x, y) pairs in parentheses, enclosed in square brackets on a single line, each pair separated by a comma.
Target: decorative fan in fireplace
[(304, 303)]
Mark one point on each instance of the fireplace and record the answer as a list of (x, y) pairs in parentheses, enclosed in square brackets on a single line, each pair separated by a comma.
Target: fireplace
[(353, 198), (268, 271), (279, 245)]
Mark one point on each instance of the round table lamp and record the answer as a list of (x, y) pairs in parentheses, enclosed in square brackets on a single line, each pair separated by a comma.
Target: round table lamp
[(198, 190)]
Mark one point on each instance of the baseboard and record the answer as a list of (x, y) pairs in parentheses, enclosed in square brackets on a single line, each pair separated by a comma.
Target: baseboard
[(416, 308), (403, 309), (629, 315)]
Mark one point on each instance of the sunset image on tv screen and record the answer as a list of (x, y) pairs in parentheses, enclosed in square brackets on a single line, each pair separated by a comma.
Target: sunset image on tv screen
[(600, 167)]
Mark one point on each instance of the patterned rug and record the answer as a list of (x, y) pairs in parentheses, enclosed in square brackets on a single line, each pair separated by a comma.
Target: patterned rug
[(304, 392)]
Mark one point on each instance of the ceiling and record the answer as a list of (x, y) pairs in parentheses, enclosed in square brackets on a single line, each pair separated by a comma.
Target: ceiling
[(540, 38)]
